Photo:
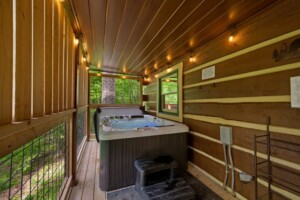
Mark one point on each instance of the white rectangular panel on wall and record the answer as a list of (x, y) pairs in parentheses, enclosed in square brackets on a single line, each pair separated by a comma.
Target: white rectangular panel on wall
[(295, 92), (208, 73)]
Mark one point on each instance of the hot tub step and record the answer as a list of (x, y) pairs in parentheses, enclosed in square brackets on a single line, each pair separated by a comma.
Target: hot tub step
[(161, 168), (177, 189)]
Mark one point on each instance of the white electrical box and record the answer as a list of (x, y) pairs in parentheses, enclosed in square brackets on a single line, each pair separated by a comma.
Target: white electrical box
[(208, 72), (295, 92), (226, 135)]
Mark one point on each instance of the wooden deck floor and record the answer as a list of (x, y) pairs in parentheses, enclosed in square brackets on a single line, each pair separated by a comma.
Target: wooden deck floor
[(88, 175)]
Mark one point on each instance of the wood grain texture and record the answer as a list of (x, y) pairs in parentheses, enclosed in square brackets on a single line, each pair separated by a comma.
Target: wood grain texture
[(166, 13), (243, 137), (72, 67), (132, 11), (23, 60), (218, 171), (182, 14), (143, 33), (264, 85), (6, 62), (88, 190), (56, 48), (98, 20), (262, 26), (245, 161), (209, 26), (61, 57), (66, 66), (39, 58), (148, 11), (77, 191), (114, 16), (16, 135), (243, 63), (281, 113), (49, 56)]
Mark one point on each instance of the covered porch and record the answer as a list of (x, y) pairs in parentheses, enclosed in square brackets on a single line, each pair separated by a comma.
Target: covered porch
[(225, 74)]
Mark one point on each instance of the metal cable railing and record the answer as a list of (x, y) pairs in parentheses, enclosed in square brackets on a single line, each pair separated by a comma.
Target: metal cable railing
[(80, 128), (37, 169)]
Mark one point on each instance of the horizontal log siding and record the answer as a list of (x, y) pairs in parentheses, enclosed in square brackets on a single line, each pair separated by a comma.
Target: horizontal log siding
[(249, 86)]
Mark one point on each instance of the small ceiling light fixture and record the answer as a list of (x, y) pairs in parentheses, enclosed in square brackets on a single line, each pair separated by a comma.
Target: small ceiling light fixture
[(232, 33), (84, 59), (231, 39), (192, 58), (76, 41), (146, 72), (155, 66), (155, 75), (87, 68), (169, 70), (124, 69), (169, 58)]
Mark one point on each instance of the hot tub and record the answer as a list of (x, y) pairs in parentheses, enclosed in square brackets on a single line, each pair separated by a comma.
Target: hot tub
[(127, 134)]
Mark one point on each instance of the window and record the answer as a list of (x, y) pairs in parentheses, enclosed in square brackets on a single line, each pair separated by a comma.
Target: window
[(170, 93), (124, 90)]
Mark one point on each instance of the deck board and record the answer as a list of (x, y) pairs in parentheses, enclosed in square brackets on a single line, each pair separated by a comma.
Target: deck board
[(98, 194), (88, 175), (89, 184)]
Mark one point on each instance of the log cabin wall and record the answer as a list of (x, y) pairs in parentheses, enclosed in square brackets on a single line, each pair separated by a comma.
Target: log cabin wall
[(249, 85)]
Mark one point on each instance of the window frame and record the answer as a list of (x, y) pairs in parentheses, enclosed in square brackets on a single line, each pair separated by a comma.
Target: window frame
[(178, 116)]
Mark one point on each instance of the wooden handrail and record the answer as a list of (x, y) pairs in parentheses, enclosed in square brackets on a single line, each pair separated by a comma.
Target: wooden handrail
[(16, 127), (15, 135)]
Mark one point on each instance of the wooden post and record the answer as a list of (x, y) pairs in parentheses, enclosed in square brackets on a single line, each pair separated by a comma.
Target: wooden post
[(74, 139), (23, 61), (49, 32), (38, 100), (6, 62), (88, 110), (56, 47)]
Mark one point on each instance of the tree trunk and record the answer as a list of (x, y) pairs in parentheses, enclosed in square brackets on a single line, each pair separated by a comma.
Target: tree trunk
[(108, 90)]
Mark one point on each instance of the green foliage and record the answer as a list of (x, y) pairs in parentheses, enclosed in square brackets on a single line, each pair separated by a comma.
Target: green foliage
[(95, 89), (127, 91), (169, 91), (36, 164)]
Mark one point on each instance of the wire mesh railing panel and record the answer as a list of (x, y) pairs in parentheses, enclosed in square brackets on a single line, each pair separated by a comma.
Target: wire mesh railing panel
[(37, 169), (80, 128)]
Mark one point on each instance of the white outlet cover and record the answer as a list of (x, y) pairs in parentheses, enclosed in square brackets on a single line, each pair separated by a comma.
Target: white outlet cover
[(226, 135), (208, 73), (295, 92)]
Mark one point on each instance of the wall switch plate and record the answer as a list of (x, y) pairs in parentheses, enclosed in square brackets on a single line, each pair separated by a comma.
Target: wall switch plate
[(226, 135)]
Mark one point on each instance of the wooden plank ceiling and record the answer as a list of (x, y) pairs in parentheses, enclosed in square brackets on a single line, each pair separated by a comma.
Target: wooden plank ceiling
[(132, 35)]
